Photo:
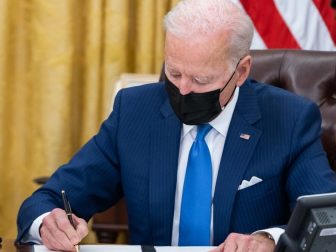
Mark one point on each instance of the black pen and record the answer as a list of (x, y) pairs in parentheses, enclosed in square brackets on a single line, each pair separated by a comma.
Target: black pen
[(68, 212)]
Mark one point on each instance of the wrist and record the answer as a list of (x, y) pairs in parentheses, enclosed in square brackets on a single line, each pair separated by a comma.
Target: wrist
[(264, 236)]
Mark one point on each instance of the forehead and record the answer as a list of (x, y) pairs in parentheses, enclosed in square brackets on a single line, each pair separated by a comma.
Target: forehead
[(196, 55)]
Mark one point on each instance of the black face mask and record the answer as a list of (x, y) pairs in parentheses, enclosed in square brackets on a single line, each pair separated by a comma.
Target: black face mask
[(195, 108)]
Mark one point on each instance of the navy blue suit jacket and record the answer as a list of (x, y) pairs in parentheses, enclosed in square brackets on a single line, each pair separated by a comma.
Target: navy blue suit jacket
[(135, 155)]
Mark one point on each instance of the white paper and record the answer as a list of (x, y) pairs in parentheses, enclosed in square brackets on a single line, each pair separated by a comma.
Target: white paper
[(96, 248), (183, 249), (127, 248)]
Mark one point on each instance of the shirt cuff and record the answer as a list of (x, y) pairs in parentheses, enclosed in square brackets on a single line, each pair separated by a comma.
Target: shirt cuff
[(275, 233), (33, 234)]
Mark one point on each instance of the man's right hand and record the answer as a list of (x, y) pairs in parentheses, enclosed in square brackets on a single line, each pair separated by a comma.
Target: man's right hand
[(57, 232)]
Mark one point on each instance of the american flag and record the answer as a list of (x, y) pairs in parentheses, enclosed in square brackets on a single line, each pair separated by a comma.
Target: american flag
[(296, 24)]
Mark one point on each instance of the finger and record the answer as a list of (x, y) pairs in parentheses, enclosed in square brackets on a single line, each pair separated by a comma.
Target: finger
[(82, 227), (56, 236), (220, 248), (51, 242), (47, 235), (243, 242), (217, 249), (63, 224), (230, 245), (45, 241)]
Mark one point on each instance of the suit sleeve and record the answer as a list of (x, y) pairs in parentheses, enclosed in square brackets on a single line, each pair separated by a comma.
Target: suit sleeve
[(309, 171), (91, 178)]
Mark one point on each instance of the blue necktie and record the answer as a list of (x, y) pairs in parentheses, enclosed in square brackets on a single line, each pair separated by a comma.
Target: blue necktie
[(195, 216)]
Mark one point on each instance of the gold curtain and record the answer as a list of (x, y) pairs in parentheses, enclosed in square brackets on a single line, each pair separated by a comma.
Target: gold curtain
[(58, 62)]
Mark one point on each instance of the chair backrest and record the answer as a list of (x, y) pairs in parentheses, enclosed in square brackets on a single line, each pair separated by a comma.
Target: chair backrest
[(311, 74)]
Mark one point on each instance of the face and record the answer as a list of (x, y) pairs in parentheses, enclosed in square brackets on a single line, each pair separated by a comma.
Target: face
[(199, 66)]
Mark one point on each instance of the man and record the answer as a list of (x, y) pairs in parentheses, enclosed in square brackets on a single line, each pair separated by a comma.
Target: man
[(231, 184)]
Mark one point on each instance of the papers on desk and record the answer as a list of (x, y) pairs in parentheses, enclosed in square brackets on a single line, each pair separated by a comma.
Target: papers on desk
[(127, 248), (96, 248), (183, 249)]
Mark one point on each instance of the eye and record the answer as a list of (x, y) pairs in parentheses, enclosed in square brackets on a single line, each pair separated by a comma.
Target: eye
[(175, 75), (200, 81)]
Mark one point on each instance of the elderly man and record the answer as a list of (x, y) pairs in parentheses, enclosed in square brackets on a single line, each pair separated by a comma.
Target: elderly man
[(208, 157)]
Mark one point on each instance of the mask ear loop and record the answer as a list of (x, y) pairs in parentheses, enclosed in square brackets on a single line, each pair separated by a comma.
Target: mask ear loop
[(227, 83)]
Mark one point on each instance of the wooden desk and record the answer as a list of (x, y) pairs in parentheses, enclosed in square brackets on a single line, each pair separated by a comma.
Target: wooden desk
[(9, 246)]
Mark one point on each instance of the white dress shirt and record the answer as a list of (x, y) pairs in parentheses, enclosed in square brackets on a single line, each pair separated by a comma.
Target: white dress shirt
[(34, 232), (215, 140)]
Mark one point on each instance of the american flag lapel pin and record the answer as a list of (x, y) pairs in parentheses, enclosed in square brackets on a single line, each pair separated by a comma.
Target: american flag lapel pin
[(245, 136)]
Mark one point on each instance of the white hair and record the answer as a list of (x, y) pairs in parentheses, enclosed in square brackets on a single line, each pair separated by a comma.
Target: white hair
[(190, 18)]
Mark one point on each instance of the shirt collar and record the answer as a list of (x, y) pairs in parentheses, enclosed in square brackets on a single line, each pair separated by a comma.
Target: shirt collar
[(222, 121)]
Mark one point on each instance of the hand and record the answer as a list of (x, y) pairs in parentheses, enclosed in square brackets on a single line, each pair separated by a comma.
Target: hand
[(57, 232), (246, 243)]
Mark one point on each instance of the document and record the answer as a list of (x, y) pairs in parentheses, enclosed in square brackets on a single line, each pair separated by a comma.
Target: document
[(127, 248), (183, 249), (96, 248)]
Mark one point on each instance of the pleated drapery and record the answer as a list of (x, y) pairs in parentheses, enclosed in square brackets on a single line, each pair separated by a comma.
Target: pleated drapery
[(58, 62)]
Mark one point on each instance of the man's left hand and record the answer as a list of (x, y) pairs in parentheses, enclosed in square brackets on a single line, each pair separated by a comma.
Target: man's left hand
[(246, 243)]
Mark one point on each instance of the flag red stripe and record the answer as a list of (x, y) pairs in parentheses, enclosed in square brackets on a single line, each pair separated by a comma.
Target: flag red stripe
[(270, 24), (327, 15)]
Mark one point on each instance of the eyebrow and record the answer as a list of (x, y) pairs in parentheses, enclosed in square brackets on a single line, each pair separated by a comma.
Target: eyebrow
[(174, 71), (209, 78), (170, 69)]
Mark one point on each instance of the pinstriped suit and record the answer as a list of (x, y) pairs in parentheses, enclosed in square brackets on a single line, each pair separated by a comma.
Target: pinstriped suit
[(135, 155)]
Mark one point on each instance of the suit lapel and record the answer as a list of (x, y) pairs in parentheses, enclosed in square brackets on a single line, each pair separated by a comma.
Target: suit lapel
[(235, 158), (165, 142)]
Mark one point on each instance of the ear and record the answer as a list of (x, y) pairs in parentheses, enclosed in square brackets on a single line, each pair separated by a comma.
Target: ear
[(244, 69)]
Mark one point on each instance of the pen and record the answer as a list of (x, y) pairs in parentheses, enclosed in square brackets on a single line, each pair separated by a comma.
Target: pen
[(68, 212)]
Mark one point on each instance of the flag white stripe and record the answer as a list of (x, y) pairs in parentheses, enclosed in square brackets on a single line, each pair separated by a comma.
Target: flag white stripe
[(257, 41), (304, 21), (307, 26)]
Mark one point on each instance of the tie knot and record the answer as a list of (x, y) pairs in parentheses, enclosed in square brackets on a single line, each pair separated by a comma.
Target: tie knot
[(202, 130)]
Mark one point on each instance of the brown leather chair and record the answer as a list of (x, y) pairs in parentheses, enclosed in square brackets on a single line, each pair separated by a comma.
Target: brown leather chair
[(311, 74)]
